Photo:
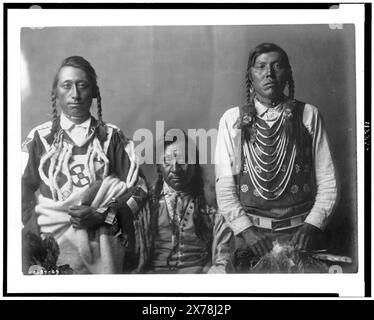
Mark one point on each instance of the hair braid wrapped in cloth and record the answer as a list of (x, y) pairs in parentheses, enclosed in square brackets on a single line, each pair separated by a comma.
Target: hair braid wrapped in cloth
[(134, 164), (143, 234)]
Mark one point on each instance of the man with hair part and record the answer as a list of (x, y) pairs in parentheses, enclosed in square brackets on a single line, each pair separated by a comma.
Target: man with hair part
[(275, 177), (186, 234), (87, 175)]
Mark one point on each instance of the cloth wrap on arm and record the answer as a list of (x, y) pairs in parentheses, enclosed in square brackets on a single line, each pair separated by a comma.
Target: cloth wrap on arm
[(93, 251)]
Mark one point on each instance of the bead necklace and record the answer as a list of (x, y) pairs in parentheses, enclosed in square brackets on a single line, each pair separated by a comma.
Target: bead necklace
[(276, 151), (277, 166), (268, 144), (280, 149), (281, 186), (272, 103), (273, 134), (256, 164)]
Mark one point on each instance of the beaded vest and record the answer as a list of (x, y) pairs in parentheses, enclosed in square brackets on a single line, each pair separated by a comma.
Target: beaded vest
[(277, 176), (190, 250)]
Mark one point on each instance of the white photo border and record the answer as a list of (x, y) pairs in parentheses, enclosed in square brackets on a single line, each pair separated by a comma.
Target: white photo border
[(347, 285)]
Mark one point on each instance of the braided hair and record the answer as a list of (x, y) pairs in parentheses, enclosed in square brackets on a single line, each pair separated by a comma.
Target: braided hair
[(84, 65), (58, 156), (249, 112)]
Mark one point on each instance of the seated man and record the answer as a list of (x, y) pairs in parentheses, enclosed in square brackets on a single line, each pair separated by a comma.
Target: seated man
[(181, 223), (85, 171)]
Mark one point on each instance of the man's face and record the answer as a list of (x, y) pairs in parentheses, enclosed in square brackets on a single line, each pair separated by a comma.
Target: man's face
[(269, 76), (74, 94), (175, 170)]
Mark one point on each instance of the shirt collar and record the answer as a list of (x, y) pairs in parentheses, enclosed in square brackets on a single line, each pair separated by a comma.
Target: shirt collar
[(67, 124), (261, 109), (168, 190)]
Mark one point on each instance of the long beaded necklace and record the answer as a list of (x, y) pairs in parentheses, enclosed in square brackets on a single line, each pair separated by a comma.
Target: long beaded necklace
[(174, 205), (280, 141)]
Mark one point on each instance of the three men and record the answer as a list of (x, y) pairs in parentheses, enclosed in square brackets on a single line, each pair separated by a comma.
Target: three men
[(274, 171)]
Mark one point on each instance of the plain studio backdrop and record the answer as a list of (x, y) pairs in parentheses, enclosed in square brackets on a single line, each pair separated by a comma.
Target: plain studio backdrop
[(188, 76)]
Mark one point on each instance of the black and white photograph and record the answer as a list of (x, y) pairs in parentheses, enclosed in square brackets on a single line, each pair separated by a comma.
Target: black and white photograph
[(209, 154)]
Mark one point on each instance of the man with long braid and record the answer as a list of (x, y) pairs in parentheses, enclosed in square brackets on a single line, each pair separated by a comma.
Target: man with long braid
[(186, 235), (275, 178), (87, 176)]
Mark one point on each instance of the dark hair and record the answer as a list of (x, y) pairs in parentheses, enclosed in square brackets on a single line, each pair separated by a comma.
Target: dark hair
[(197, 180), (201, 223), (265, 48), (293, 123), (84, 65)]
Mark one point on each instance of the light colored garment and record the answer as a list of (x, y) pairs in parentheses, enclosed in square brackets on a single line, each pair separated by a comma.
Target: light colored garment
[(61, 173), (227, 160), (102, 253), (77, 132)]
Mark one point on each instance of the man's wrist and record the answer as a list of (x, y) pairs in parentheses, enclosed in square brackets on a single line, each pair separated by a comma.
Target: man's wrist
[(246, 230), (240, 224), (109, 214), (102, 212), (312, 228)]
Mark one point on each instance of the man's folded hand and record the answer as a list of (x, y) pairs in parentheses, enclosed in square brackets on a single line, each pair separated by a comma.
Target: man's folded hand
[(84, 217)]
